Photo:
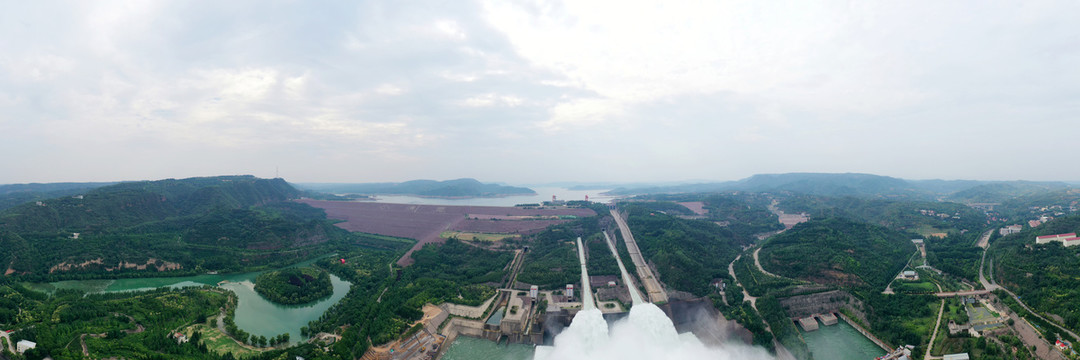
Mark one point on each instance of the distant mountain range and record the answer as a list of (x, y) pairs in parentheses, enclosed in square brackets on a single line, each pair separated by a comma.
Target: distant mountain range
[(460, 188), (15, 194), (863, 185)]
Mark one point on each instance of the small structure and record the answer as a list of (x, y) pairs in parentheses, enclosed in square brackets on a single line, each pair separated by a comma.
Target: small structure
[(909, 275), (917, 241), (808, 323), (960, 356), (75, 236), (180, 338), (534, 291), (828, 319), (1011, 229), (570, 291), (24, 345)]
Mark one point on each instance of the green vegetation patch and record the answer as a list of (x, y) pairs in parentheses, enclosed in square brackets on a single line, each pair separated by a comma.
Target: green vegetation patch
[(838, 251), (294, 285)]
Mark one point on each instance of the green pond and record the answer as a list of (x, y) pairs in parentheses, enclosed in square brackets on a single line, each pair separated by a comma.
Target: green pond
[(468, 348), (840, 342), (254, 314)]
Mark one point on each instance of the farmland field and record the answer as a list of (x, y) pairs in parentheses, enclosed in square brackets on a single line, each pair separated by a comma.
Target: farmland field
[(426, 222)]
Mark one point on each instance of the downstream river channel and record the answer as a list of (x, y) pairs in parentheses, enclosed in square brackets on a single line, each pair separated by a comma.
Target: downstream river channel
[(254, 314), (840, 342)]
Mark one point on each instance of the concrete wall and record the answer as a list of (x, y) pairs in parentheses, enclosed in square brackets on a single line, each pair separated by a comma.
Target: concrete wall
[(472, 312)]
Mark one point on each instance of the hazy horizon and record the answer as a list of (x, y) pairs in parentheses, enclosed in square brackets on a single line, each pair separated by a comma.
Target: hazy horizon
[(537, 92)]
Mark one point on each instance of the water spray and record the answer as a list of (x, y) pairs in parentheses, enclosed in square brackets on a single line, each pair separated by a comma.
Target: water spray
[(634, 295)]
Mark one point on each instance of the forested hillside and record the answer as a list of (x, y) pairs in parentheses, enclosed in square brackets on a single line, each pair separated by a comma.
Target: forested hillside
[(838, 251), (12, 195), (1044, 276), (227, 223), (676, 246), (912, 216)]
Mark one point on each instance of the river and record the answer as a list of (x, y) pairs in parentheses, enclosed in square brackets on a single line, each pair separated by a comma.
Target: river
[(254, 314), (840, 342)]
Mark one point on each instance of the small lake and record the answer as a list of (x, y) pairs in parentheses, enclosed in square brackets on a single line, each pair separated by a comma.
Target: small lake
[(542, 194), (254, 314), (469, 348), (840, 342)]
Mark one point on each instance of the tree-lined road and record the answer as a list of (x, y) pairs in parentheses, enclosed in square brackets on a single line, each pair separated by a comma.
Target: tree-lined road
[(652, 285)]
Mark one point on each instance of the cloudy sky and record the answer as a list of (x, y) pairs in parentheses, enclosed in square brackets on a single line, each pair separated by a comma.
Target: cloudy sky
[(536, 91)]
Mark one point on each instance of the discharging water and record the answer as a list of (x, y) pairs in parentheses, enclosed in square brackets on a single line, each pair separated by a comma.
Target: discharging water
[(840, 342), (254, 314)]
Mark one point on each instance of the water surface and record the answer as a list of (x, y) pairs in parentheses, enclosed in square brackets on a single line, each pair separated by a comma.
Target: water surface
[(468, 348), (840, 342), (254, 314)]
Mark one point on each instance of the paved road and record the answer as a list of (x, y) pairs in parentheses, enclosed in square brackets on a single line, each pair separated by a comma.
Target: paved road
[(758, 263), (746, 295), (937, 326), (984, 242), (962, 293), (652, 285), (7, 338)]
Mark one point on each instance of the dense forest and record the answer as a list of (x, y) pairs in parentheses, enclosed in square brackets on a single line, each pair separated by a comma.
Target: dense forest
[(838, 251), (897, 215), (179, 227), (1044, 276), (675, 246), (382, 304), (296, 285)]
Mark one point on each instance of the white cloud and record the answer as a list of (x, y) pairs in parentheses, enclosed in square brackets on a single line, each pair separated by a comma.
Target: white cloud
[(490, 99)]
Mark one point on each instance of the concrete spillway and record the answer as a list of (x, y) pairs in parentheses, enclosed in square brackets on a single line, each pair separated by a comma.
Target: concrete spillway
[(637, 300), (586, 288)]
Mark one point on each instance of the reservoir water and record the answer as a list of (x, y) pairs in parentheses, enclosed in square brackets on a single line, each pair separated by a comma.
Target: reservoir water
[(542, 194), (254, 314), (840, 342)]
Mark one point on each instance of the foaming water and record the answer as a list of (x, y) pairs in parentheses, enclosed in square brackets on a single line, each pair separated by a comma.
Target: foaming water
[(647, 334)]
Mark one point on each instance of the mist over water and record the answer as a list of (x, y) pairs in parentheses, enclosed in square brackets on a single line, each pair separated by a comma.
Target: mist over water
[(647, 334)]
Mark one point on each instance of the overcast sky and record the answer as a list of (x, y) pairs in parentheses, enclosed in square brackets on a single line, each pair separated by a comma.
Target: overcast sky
[(537, 91)]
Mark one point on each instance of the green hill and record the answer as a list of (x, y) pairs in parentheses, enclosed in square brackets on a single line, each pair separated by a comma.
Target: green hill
[(227, 223), (838, 251), (677, 248), (1044, 276), (12, 195), (460, 188)]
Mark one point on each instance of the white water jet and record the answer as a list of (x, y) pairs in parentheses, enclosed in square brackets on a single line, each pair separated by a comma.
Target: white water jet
[(635, 296), (586, 288), (647, 334)]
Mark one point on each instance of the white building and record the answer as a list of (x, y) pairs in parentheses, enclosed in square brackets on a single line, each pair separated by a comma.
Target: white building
[(24, 345), (1011, 229), (534, 291), (960, 356), (1069, 239), (570, 291)]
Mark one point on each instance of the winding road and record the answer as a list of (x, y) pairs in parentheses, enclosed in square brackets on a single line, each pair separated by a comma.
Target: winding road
[(7, 338), (984, 242)]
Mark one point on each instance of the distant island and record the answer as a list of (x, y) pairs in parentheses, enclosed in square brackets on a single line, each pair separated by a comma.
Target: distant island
[(294, 285), (451, 189)]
